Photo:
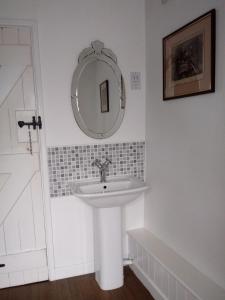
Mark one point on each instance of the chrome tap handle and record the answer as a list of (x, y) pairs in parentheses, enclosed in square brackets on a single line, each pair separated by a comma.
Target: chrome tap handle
[(97, 163), (107, 162), (102, 167)]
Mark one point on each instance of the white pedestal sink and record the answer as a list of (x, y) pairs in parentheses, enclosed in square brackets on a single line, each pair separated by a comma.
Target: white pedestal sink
[(107, 198)]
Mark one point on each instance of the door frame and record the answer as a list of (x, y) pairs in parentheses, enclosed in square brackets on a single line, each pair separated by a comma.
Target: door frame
[(42, 136)]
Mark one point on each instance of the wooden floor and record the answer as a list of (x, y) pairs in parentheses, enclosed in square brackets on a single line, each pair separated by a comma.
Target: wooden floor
[(78, 288)]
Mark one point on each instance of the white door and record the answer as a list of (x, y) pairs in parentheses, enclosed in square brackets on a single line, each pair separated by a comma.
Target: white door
[(22, 232)]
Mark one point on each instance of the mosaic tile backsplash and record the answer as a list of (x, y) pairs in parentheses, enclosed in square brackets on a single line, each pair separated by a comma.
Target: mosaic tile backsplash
[(73, 163)]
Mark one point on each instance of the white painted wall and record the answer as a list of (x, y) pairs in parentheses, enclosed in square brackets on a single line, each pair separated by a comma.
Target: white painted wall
[(65, 28), (186, 148)]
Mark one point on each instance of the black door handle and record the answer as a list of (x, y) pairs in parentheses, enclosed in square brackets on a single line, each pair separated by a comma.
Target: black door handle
[(2, 265), (34, 123)]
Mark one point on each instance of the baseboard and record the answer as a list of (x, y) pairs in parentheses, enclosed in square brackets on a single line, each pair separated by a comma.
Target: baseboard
[(72, 270)]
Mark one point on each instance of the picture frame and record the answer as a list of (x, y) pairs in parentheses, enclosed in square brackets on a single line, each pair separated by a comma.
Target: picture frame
[(189, 59), (104, 96)]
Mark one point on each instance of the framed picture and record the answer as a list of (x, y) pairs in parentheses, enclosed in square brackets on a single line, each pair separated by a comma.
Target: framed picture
[(189, 59), (104, 96)]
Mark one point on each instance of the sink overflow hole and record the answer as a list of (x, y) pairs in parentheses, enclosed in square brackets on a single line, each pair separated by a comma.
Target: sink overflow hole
[(104, 187)]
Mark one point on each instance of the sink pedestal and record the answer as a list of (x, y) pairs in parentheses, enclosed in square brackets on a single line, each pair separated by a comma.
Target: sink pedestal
[(107, 199), (108, 247)]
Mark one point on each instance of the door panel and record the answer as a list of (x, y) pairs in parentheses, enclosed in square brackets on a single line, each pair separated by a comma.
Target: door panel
[(19, 103), (38, 211), (23, 268), (22, 168), (19, 226), (8, 78), (22, 232)]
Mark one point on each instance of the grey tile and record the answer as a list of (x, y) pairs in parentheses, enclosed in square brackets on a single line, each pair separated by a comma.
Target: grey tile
[(71, 163)]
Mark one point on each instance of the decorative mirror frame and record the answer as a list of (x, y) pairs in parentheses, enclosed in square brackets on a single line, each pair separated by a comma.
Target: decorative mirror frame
[(88, 55)]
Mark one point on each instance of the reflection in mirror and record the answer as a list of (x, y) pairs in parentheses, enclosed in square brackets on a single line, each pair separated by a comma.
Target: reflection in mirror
[(97, 92), (100, 110)]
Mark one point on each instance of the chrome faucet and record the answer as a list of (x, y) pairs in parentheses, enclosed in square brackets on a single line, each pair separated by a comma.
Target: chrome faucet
[(102, 167)]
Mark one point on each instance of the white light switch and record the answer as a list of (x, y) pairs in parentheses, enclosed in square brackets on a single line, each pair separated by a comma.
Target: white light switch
[(135, 80)]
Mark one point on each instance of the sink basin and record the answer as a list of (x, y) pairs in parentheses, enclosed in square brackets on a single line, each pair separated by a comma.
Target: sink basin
[(117, 191), (107, 199)]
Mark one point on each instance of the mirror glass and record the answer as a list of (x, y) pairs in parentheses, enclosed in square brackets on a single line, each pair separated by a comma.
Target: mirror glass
[(97, 92)]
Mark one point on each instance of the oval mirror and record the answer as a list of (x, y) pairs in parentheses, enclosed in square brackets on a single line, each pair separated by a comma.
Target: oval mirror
[(97, 92)]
